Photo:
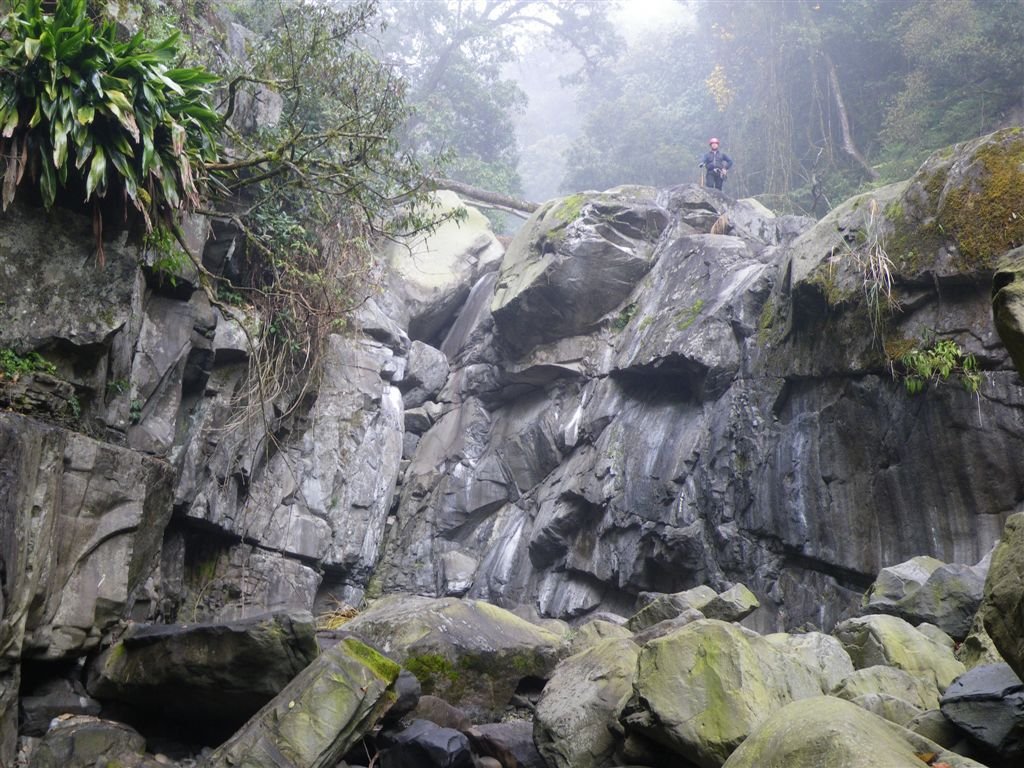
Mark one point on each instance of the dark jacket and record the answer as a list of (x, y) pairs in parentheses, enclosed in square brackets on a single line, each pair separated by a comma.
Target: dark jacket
[(714, 161)]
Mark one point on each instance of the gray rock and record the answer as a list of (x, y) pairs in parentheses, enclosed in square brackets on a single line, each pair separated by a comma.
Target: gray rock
[(664, 607), (467, 651), (81, 741), (439, 711), (425, 376), (1002, 610), (407, 691), (585, 695), (427, 745), (85, 526), (57, 697), (935, 726), (667, 626), (820, 652), (888, 681), (319, 716), (890, 641), (895, 709), (71, 300), (203, 673), (510, 743), (575, 260), (702, 690), (594, 631), (988, 703), (927, 590), (806, 733), (430, 276), (734, 604)]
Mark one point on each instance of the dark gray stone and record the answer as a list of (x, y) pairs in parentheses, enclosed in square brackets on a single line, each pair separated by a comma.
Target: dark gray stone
[(988, 703), (212, 674), (427, 745)]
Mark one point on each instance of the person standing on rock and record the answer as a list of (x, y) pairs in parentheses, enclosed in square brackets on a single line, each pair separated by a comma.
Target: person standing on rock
[(716, 165)]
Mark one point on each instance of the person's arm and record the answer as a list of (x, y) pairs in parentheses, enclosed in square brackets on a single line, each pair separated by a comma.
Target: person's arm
[(727, 161)]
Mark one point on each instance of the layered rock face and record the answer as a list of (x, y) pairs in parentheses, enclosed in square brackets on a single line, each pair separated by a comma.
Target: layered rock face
[(626, 404), (639, 405)]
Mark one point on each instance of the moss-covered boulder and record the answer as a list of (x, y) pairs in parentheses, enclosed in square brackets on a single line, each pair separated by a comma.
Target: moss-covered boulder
[(594, 632), (925, 589), (978, 648), (961, 210), (820, 652), (468, 652), (701, 690), (668, 606), (1002, 610), (888, 681), (82, 741), (573, 723), (332, 704), (1008, 305), (826, 731), (893, 642)]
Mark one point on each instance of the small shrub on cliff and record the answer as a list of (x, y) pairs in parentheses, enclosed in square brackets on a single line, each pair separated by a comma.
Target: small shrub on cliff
[(102, 119), (918, 366), (13, 365)]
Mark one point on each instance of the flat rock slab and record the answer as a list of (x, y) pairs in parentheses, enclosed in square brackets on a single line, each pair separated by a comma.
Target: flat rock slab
[(208, 673)]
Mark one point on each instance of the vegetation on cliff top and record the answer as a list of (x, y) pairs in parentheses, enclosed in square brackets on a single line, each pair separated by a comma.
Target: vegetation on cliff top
[(101, 118)]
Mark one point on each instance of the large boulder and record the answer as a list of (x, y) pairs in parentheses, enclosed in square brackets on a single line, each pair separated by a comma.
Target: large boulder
[(891, 641), (203, 674), (469, 652), (576, 259), (888, 681), (826, 731), (319, 716), (703, 689), (1008, 304), (584, 697), (83, 531), (80, 741), (987, 702), (1002, 611), (427, 745), (818, 651), (925, 589)]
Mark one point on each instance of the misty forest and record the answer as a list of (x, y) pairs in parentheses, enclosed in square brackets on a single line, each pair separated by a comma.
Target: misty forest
[(511, 383)]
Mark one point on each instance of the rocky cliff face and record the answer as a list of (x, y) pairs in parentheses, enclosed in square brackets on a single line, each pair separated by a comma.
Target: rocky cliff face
[(621, 403)]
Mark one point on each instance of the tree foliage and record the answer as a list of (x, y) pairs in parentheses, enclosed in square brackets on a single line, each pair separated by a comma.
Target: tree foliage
[(814, 99), (453, 56)]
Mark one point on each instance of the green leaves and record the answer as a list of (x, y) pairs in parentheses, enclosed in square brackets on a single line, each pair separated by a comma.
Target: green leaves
[(937, 363), (100, 115)]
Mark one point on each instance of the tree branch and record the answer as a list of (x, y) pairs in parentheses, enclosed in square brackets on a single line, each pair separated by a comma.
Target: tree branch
[(486, 198)]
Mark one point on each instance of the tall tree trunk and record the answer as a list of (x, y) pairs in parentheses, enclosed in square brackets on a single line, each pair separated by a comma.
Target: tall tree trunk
[(849, 146)]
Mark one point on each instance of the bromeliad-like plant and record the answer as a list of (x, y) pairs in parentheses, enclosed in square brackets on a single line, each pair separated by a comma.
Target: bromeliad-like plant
[(83, 112)]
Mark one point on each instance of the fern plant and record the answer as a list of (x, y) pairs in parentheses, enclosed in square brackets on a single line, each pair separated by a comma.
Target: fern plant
[(937, 363), (101, 118)]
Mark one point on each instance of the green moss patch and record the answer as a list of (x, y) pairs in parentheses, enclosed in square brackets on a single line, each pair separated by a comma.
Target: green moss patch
[(688, 317), (986, 216), (381, 666)]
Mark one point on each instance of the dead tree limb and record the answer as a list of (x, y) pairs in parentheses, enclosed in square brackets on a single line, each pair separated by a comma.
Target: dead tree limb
[(485, 198), (849, 146)]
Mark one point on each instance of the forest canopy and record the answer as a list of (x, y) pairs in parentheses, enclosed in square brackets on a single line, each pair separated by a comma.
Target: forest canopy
[(814, 99)]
